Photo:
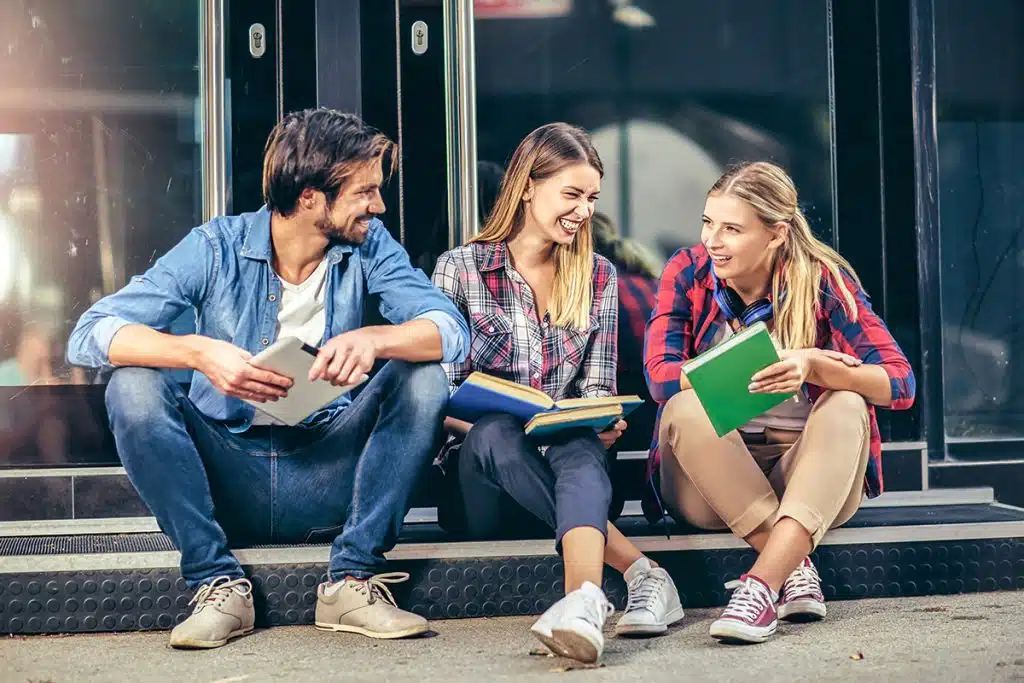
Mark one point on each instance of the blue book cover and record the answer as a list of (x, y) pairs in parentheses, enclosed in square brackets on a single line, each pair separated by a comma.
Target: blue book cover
[(481, 394)]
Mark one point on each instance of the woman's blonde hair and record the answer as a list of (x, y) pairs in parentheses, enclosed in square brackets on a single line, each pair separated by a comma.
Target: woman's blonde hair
[(802, 258), (543, 153)]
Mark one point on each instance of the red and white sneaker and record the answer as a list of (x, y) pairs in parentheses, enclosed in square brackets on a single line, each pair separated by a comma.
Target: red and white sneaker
[(802, 599), (750, 616)]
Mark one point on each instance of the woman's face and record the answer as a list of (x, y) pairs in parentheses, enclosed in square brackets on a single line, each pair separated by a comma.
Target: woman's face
[(742, 247), (556, 207)]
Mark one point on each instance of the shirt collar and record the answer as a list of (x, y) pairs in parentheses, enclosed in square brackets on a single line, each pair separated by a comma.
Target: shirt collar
[(257, 244), (493, 255)]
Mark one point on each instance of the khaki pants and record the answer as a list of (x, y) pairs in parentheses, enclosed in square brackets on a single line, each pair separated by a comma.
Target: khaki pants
[(718, 483)]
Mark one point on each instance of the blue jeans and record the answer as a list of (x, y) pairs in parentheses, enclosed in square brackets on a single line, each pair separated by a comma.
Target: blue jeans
[(348, 479)]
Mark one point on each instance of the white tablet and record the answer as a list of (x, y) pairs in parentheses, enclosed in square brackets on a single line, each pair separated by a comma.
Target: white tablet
[(290, 357)]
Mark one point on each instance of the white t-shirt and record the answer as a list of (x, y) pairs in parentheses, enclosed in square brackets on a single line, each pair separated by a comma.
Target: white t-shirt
[(301, 314)]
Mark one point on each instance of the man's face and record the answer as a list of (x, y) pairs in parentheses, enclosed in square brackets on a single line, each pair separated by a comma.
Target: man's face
[(348, 219)]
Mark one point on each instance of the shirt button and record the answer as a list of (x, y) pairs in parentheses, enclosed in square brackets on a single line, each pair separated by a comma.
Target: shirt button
[(536, 375), (272, 297), (265, 341), (490, 330)]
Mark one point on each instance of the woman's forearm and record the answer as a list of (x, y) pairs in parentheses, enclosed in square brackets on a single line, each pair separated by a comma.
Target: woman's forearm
[(870, 381)]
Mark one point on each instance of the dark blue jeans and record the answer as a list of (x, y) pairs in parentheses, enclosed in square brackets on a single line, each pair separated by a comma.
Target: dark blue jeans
[(348, 480), (502, 475)]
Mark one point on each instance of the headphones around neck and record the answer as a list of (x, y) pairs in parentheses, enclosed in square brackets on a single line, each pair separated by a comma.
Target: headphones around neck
[(734, 308)]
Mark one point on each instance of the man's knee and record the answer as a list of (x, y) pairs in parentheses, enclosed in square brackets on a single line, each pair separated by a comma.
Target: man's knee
[(422, 386), (137, 395)]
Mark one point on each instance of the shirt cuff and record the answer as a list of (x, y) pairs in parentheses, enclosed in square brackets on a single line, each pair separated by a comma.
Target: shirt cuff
[(452, 343), (102, 334)]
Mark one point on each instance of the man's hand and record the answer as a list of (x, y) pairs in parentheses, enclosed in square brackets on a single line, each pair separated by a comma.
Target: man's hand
[(611, 435), (345, 358), (229, 370)]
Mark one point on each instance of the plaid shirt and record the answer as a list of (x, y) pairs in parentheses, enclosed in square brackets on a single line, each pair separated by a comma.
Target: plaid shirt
[(636, 301), (686, 319), (508, 341)]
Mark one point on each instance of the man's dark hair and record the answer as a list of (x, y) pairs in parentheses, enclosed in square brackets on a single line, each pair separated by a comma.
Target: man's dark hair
[(318, 149)]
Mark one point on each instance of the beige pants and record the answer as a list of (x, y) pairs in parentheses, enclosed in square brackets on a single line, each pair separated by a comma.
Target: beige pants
[(718, 483)]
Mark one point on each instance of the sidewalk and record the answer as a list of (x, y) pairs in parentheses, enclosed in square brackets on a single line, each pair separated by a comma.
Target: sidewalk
[(962, 638)]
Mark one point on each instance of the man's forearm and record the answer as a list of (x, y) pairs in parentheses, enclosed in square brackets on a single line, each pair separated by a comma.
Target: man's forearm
[(141, 346), (417, 341)]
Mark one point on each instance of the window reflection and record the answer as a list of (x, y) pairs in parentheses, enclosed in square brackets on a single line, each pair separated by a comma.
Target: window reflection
[(980, 99), (672, 93), (100, 157)]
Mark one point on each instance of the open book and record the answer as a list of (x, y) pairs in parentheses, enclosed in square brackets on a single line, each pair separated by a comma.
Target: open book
[(481, 394), (721, 377)]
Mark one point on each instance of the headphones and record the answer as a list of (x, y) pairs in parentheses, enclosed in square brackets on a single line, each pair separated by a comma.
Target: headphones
[(734, 308)]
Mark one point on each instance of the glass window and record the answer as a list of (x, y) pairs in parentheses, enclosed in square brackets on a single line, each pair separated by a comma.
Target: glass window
[(100, 157), (980, 100), (673, 93)]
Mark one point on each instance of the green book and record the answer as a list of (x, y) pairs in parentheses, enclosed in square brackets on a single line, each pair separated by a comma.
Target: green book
[(721, 377)]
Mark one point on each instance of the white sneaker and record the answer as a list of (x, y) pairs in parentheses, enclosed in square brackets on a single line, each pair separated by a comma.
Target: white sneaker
[(576, 623), (653, 603), (542, 628)]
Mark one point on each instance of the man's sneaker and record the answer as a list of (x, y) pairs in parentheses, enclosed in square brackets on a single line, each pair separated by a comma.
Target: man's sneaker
[(366, 607), (750, 616), (576, 624), (802, 599), (653, 603), (223, 611)]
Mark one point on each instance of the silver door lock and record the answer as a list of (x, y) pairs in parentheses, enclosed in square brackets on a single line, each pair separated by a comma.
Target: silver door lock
[(257, 40), (419, 37)]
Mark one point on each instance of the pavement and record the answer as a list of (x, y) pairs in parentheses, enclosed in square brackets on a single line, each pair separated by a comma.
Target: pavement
[(978, 637)]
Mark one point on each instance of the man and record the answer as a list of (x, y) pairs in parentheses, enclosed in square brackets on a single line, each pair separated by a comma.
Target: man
[(303, 265)]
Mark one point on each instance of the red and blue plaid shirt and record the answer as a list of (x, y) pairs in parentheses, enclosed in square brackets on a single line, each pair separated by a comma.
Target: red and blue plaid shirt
[(636, 302), (686, 319), (509, 340)]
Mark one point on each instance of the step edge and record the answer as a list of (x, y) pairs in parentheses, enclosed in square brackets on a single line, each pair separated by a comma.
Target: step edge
[(36, 564)]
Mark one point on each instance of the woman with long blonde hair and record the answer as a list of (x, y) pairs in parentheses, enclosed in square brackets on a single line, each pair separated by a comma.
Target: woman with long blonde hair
[(543, 312), (788, 476)]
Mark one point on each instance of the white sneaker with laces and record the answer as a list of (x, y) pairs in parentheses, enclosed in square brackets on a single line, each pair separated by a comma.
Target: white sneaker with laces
[(653, 603), (577, 624)]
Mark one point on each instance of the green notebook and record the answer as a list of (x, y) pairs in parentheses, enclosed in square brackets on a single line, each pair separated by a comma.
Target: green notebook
[(721, 376)]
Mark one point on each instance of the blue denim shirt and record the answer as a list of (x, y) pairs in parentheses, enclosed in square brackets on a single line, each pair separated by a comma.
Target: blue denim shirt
[(222, 270)]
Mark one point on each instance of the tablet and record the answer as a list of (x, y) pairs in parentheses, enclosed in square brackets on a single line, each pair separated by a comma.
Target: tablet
[(290, 357)]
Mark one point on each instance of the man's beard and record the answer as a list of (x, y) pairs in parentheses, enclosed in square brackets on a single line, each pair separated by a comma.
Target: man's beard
[(352, 233)]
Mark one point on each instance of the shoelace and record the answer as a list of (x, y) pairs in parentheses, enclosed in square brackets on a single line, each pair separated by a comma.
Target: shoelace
[(217, 591), (803, 581), (377, 586), (748, 600), (645, 589)]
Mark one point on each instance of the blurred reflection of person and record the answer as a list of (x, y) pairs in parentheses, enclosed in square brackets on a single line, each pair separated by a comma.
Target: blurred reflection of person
[(32, 362), (638, 286)]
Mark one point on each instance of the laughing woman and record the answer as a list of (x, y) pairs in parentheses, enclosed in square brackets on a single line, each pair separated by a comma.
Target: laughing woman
[(543, 312), (784, 479)]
